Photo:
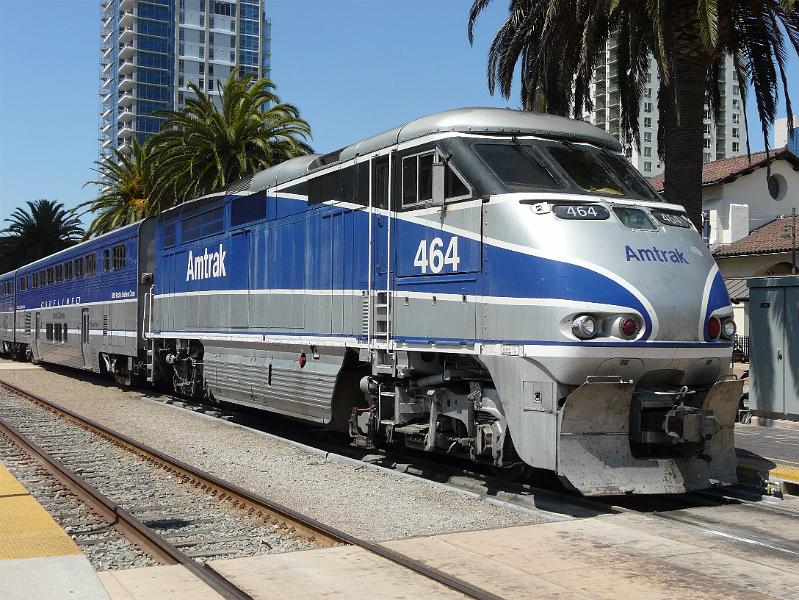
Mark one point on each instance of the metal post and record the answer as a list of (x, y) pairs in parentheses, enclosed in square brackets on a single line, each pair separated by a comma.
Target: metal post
[(793, 241)]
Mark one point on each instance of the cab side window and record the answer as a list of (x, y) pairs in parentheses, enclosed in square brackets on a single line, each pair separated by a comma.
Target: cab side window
[(417, 180)]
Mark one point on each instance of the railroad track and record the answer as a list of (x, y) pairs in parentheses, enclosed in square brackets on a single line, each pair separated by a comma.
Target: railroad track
[(164, 505), (533, 498), (547, 499)]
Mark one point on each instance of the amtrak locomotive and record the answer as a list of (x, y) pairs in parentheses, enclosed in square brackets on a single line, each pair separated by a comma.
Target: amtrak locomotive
[(487, 283)]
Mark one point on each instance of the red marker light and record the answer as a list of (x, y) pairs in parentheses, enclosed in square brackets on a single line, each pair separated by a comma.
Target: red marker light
[(629, 327), (713, 328), (302, 360)]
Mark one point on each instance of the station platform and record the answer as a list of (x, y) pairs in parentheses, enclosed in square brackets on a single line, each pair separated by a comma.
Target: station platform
[(608, 557), (769, 454), (38, 560)]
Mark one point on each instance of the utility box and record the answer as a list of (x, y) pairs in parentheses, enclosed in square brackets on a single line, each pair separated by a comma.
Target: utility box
[(774, 347)]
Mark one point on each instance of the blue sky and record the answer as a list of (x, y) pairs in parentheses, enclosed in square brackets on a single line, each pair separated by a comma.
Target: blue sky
[(354, 68)]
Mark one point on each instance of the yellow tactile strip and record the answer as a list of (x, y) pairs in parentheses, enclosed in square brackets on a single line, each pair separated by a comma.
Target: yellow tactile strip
[(26, 529), (771, 468)]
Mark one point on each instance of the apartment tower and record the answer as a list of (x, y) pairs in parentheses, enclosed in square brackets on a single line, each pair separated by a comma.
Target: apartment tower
[(152, 49), (724, 137)]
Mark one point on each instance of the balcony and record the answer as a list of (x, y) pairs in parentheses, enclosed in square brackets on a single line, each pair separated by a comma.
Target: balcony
[(126, 98), (125, 67), (108, 37), (126, 83), (107, 84), (106, 128), (126, 34), (125, 146), (107, 68), (125, 131), (126, 19), (126, 115), (107, 144), (107, 53), (126, 51), (107, 113), (126, 4)]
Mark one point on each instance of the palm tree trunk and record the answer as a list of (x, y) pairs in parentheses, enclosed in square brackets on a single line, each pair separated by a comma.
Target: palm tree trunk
[(684, 140), (685, 110)]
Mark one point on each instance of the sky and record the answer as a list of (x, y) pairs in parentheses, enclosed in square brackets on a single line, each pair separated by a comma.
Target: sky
[(353, 67)]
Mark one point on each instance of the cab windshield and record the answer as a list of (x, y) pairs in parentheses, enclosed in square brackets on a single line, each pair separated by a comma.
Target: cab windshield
[(527, 166), (586, 171)]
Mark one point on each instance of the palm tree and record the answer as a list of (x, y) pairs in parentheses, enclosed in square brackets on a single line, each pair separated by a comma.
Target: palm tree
[(201, 148), (46, 227), (558, 43), (127, 190)]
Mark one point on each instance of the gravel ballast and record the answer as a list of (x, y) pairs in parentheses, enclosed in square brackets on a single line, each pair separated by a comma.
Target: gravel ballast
[(369, 503)]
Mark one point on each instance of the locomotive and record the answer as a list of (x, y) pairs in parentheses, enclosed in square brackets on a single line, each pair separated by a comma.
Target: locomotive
[(487, 283)]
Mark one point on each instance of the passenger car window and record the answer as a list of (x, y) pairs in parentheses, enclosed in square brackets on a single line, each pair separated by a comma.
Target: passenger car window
[(515, 166), (91, 264), (585, 170), (118, 254)]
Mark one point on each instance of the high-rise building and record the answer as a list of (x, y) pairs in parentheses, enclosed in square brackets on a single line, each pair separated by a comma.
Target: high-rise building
[(724, 137), (787, 137), (152, 49)]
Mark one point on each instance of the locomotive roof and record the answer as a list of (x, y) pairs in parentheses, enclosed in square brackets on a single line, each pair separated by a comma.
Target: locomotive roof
[(497, 121)]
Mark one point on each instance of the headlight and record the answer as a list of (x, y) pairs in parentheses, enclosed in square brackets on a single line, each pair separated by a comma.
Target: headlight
[(728, 328), (584, 327)]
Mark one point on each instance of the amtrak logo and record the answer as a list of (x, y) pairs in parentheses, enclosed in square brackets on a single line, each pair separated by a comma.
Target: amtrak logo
[(655, 255), (209, 265)]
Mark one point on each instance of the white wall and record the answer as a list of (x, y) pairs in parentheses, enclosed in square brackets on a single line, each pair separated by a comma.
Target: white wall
[(751, 190)]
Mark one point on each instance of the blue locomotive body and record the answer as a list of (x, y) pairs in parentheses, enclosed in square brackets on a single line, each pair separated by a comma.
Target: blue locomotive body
[(489, 283)]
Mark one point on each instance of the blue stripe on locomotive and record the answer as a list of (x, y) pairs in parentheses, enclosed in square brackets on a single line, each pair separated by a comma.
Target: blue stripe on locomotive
[(100, 287), (296, 248)]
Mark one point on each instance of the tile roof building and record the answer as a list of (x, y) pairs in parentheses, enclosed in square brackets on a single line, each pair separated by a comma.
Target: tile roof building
[(742, 193), (771, 238)]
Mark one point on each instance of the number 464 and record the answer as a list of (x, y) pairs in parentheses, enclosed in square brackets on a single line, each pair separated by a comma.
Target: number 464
[(434, 257)]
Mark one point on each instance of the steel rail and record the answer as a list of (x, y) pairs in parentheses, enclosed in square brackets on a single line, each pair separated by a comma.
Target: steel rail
[(131, 527), (309, 527)]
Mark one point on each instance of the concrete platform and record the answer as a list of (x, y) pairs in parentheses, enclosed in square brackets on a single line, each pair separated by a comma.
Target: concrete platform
[(38, 560), (620, 556), (770, 454)]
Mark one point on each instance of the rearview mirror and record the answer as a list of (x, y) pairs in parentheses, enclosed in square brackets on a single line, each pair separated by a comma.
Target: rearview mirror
[(439, 167)]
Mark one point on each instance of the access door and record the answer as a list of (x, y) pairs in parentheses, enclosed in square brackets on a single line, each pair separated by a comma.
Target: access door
[(37, 334), (767, 351), (438, 243), (84, 337)]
